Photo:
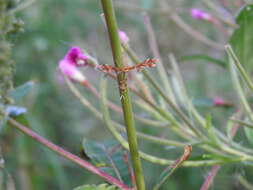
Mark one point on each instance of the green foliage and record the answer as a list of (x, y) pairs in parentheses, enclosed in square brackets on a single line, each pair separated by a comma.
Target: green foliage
[(242, 39), (109, 157), (57, 115), (96, 187)]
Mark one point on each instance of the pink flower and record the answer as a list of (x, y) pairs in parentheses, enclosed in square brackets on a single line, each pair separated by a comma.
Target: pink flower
[(218, 101), (200, 15), (123, 37), (71, 71), (76, 57)]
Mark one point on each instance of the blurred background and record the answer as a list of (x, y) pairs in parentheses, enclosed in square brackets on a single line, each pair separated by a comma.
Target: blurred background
[(51, 27)]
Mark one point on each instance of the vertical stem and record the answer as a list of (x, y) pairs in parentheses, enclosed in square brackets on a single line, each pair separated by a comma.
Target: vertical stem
[(125, 98)]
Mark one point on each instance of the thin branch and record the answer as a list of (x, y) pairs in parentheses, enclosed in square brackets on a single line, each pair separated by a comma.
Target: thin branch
[(126, 102), (154, 48), (75, 159), (247, 185), (194, 33), (239, 66), (171, 169), (209, 179)]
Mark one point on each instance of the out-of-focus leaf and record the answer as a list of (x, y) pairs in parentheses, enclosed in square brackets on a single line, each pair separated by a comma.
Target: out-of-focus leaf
[(96, 187), (147, 4), (206, 58), (21, 91), (242, 38), (109, 157)]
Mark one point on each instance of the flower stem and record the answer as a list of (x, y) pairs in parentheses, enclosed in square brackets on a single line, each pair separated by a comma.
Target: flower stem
[(125, 98)]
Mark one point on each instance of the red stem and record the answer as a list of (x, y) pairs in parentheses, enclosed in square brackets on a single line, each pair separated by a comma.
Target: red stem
[(68, 155), (210, 177)]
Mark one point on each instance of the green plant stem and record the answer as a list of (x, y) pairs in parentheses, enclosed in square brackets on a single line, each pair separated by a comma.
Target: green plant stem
[(244, 182), (118, 109), (160, 91), (160, 67), (123, 89), (161, 141), (216, 9), (243, 123), (98, 115), (182, 116), (238, 87), (123, 142), (239, 66)]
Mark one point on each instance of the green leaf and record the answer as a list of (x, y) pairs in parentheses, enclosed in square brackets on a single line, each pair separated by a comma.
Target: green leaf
[(109, 157), (96, 187), (203, 58), (242, 38), (21, 91)]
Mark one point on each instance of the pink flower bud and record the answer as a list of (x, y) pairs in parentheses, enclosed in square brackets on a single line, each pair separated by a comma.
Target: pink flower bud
[(218, 101), (71, 71), (123, 37), (76, 57), (200, 15)]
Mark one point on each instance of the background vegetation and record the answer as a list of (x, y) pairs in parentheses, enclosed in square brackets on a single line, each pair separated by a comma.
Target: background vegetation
[(51, 27)]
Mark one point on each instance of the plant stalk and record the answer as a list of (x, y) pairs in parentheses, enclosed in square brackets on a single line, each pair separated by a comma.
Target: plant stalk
[(123, 89)]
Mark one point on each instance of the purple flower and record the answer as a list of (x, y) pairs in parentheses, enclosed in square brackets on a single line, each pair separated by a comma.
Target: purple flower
[(200, 15), (76, 57), (123, 37), (71, 71)]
